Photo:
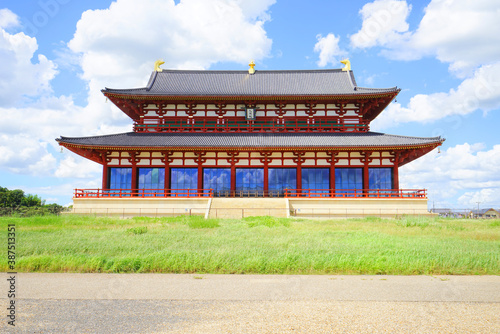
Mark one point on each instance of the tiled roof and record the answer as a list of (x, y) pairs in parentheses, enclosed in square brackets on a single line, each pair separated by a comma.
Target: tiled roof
[(249, 140), (483, 211), (241, 83)]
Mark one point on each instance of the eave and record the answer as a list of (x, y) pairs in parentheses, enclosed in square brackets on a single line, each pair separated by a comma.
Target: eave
[(97, 153), (131, 104)]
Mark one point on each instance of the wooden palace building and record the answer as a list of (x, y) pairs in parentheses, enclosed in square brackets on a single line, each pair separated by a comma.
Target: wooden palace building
[(289, 142)]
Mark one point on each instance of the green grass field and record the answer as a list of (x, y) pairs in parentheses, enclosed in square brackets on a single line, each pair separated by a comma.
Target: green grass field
[(255, 245)]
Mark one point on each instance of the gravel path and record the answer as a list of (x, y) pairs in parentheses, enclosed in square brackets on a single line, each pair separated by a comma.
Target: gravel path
[(100, 303), (310, 316)]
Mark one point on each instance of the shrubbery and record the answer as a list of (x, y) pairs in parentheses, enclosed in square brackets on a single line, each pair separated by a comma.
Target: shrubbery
[(17, 203)]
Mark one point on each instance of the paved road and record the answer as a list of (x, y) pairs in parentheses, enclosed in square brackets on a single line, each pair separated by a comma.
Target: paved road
[(165, 303)]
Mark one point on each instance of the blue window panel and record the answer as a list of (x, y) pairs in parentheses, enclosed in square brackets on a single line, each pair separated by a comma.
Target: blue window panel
[(348, 179), (250, 181), (280, 179), (152, 178), (380, 178), (217, 179), (120, 178), (184, 179), (316, 180)]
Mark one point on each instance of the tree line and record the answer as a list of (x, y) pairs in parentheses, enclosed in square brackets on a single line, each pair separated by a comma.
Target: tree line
[(16, 202)]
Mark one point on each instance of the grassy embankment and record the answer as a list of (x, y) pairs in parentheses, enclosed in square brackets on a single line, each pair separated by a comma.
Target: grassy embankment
[(257, 245)]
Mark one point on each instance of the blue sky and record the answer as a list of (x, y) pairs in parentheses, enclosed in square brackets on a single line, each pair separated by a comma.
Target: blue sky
[(57, 55)]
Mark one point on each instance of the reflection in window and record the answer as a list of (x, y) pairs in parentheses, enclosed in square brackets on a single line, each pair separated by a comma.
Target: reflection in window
[(250, 181), (184, 181), (380, 178), (317, 180), (280, 179), (152, 179), (120, 178), (217, 179), (347, 180)]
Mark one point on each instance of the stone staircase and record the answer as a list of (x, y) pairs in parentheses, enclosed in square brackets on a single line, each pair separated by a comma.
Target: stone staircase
[(246, 207)]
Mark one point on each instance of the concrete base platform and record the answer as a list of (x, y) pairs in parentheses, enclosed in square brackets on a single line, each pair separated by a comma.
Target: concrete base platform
[(142, 206), (246, 207), (358, 207)]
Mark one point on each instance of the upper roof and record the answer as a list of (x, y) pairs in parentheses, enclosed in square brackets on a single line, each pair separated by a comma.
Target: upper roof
[(332, 82)]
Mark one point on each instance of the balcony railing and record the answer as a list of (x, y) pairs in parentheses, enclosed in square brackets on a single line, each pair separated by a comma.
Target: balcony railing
[(229, 125), (98, 193), (365, 193), (288, 193)]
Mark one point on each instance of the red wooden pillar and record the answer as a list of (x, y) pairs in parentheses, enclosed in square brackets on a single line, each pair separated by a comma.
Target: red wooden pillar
[(200, 177), (233, 178), (266, 180), (134, 180), (332, 179), (166, 183), (366, 182), (299, 178), (104, 176), (395, 175)]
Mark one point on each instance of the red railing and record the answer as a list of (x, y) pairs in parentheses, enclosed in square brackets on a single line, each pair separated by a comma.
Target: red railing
[(366, 193), (305, 193), (98, 193), (299, 124)]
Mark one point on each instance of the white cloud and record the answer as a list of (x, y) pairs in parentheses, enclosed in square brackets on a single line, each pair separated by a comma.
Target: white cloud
[(8, 19), (77, 167), (53, 193), (481, 91), (255, 9), (487, 198), (19, 76), (384, 23), (462, 33), (464, 169), (194, 34), (23, 154), (329, 50), (26, 146), (191, 34), (112, 52)]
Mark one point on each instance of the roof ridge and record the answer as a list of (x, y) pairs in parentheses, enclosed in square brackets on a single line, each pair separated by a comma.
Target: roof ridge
[(252, 134), (246, 72), (413, 137), (100, 136)]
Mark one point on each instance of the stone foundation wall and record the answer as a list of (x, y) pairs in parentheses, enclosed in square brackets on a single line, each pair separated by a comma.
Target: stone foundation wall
[(246, 207)]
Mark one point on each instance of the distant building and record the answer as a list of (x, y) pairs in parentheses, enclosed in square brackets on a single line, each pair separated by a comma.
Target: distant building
[(451, 213), (303, 136), (485, 213)]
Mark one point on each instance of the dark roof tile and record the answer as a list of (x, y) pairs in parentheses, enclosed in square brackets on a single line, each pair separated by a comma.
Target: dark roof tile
[(241, 83), (231, 140)]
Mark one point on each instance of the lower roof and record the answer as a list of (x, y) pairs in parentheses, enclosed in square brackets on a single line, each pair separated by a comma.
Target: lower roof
[(133, 140)]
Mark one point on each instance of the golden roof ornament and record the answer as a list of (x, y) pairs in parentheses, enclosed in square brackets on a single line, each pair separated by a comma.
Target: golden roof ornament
[(251, 70), (158, 63), (347, 64)]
